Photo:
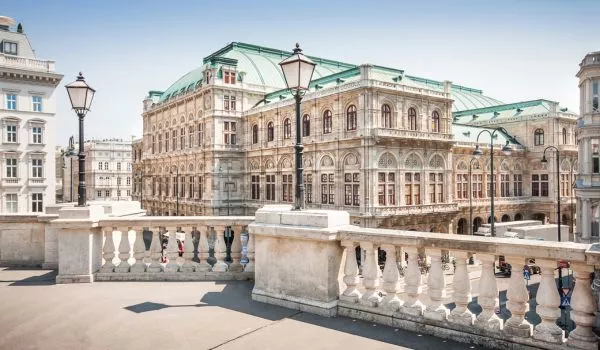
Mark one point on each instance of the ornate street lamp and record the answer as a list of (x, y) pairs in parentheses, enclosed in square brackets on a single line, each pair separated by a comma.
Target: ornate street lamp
[(471, 193), (81, 96), (297, 71), (557, 180), (176, 188), (506, 149)]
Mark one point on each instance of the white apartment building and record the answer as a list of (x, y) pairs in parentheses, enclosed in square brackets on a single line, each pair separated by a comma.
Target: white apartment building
[(588, 139), (108, 174), (27, 108)]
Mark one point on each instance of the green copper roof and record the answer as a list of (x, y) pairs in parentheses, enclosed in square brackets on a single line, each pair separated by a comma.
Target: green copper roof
[(505, 111), (468, 133)]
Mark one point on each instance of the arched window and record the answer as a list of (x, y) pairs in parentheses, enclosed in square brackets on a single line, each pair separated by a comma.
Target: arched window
[(306, 125), (255, 134), (538, 137), (564, 135), (435, 122), (351, 118), (386, 116), (287, 128), (412, 119), (327, 122), (270, 132)]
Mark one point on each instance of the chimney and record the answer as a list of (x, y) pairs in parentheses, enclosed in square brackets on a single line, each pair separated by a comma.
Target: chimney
[(6, 22)]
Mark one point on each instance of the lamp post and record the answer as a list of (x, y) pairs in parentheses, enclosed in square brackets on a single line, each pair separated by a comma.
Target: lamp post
[(81, 96), (506, 149), (471, 194), (227, 184), (557, 180), (297, 71), (71, 153), (176, 188)]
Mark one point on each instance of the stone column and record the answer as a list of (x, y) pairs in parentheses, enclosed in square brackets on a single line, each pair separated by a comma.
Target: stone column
[(139, 250), (370, 276), (351, 279), (583, 306), (108, 250), (391, 278), (488, 294), (220, 265), (548, 301), (435, 282), (518, 300), (461, 286), (413, 279), (203, 250)]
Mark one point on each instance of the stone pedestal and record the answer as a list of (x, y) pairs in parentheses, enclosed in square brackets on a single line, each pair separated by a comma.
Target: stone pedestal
[(298, 258), (79, 243)]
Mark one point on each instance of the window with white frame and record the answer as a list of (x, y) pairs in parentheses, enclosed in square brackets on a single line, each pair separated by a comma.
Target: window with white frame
[(105, 165), (351, 188), (37, 202), (200, 129), (99, 165), (11, 203), (518, 185), (99, 193), (191, 186), (128, 166), (128, 193), (462, 186), (119, 181), (11, 168), (230, 133), (386, 188), (190, 137), (229, 103), (128, 182), (255, 181), (118, 166), (504, 185), (477, 183), (173, 141), (308, 188), (118, 193), (287, 184), (36, 102), (182, 138), (228, 77), (436, 187), (327, 188), (36, 133), (37, 166), (489, 185), (107, 193), (270, 187), (11, 102), (10, 48), (539, 185), (412, 188), (11, 133)]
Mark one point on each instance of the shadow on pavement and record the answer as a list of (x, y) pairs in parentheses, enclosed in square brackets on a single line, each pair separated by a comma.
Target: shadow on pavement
[(150, 306), (46, 279)]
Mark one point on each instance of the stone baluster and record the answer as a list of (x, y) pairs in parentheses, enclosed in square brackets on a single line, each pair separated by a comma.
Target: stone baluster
[(461, 287), (413, 280), (548, 301), (155, 252), (124, 250), (189, 265), (172, 251), (391, 278), (517, 302), (147, 253), (583, 306), (436, 309), (370, 276), (108, 250), (203, 248), (351, 279), (220, 250), (139, 250), (488, 294), (250, 254), (236, 250)]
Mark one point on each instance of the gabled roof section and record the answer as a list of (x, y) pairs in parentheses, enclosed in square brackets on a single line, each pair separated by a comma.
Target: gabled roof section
[(511, 110)]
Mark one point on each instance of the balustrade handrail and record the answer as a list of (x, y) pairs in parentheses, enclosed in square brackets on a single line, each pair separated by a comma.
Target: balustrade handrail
[(574, 252), (143, 221)]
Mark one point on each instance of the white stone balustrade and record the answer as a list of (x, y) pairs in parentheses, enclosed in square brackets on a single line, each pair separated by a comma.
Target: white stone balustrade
[(166, 264)]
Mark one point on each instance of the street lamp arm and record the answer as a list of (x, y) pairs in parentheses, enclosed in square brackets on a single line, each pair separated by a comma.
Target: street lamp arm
[(547, 148)]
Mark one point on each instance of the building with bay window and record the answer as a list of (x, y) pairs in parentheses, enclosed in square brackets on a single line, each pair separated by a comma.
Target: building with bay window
[(391, 148), (27, 108)]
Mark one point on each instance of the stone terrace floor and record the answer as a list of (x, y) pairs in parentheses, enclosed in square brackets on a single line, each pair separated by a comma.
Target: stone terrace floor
[(35, 313)]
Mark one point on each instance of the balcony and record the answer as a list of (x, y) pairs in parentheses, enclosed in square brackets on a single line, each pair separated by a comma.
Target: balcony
[(568, 148), (416, 209), (10, 182), (26, 63), (410, 134)]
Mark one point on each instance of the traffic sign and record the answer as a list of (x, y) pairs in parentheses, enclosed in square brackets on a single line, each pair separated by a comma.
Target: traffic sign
[(565, 301)]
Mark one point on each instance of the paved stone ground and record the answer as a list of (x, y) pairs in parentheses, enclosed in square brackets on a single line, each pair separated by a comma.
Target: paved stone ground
[(37, 314)]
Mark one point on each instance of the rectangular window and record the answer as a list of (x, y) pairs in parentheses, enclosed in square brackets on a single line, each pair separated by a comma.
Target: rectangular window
[(11, 133), (107, 192), (128, 181), (200, 187), (105, 165), (36, 132), (11, 168), (229, 103), (118, 166), (99, 193), (351, 189), (270, 187), (160, 144), (327, 189), (386, 191), (200, 135), (37, 167), (118, 193), (462, 186), (565, 185), (504, 185), (255, 180), (287, 185), (10, 48), (489, 185), (308, 188), (229, 77), (595, 155), (128, 193), (539, 185), (37, 202), (518, 185), (12, 204), (182, 139), (191, 185), (36, 103), (230, 133), (412, 188), (173, 140), (153, 144), (544, 185), (595, 96), (191, 137), (11, 102), (477, 183), (436, 188)]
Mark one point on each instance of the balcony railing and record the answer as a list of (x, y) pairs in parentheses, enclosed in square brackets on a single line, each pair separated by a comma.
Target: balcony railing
[(26, 63), (417, 209), (411, 134), (142, 255)]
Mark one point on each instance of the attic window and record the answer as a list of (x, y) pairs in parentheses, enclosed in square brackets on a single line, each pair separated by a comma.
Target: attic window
[(398, 78), (467, 133), (228, 77), (9, 48), (519, 110)]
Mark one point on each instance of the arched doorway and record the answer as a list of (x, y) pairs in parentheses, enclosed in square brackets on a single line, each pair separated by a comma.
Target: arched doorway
[(477, 222), (505, 218), (518, 217), (490, 219), (462, 227)]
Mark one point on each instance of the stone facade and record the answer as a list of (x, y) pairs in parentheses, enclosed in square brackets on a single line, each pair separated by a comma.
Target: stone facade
[(391, 149)]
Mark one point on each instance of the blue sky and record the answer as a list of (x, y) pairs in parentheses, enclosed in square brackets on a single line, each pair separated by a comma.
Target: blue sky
[(512, 50)]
